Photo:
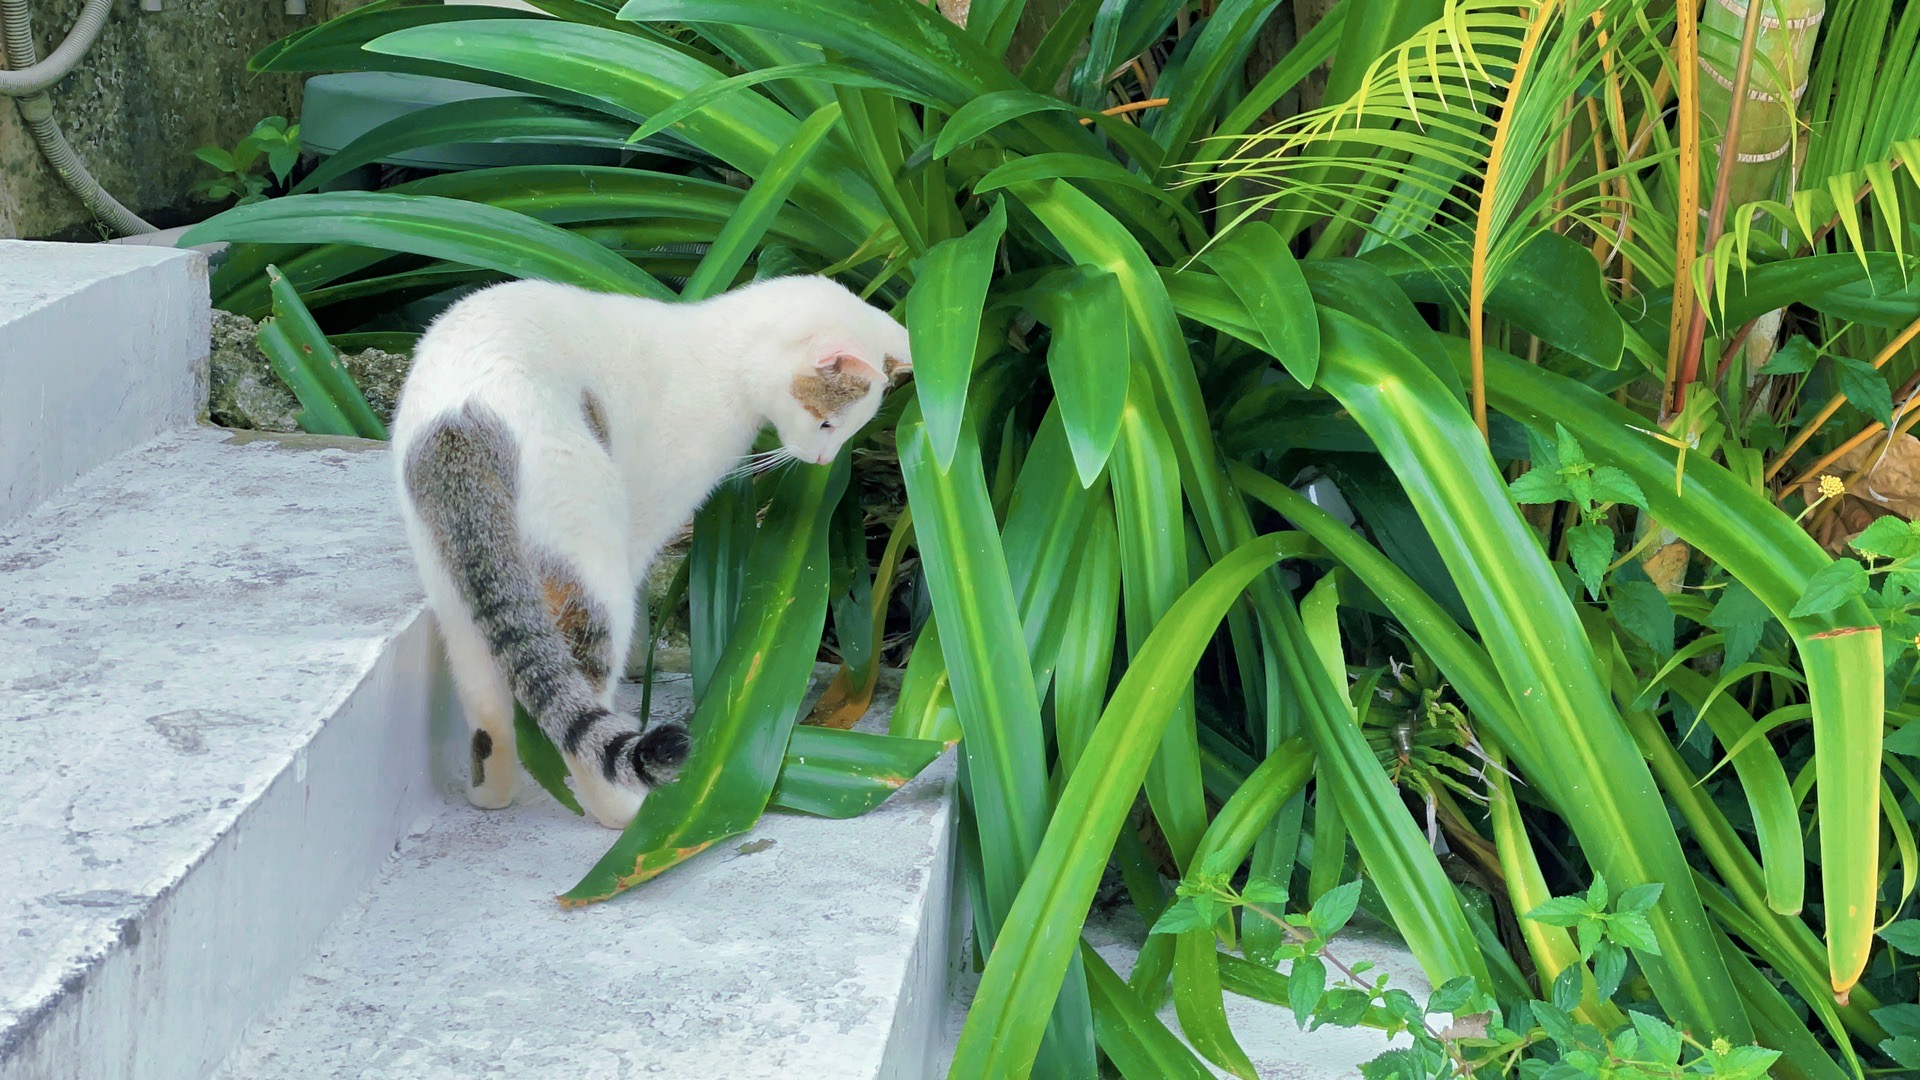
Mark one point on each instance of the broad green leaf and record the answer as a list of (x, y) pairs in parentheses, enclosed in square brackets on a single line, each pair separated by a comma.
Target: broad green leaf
[(1306, 983), (1088, 365), (1660, 1038), (998, 707), (633, 77), (1131, 1036), (748, 226), (1031, 955), (1611, 485), (944, 311), (542, 758), (1551, 288), (1330, 913), (741, 725), (1581, 761), (1254, 262), (1561, 911), (833, 773), (439, 228)]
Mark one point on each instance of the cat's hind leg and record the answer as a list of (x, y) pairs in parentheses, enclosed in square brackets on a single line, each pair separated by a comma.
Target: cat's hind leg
[(493, 759)]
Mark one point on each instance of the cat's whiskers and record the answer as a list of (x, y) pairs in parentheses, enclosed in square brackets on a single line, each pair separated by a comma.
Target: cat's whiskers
[(765, 461)]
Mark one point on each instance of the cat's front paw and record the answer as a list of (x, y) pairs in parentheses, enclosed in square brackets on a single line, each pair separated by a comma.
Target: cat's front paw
[(660, 751)]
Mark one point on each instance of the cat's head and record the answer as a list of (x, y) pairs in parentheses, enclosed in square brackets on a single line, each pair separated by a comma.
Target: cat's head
[(842, 356)]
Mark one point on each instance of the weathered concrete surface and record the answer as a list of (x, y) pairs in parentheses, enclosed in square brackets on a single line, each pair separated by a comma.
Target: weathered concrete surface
[(155, 86), (807, 949), (1277, 1047), (214, 679), (102, 347)]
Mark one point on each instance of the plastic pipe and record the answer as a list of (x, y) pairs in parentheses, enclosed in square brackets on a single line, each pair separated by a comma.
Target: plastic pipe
[(28, 81), (30, 75)]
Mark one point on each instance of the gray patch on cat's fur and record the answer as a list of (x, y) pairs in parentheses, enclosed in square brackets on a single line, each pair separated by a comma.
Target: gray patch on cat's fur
[(596, 415), (462, 476), (482, 750)]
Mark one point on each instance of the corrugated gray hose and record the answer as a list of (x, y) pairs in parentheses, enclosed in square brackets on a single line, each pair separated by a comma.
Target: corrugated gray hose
[(28, 81)]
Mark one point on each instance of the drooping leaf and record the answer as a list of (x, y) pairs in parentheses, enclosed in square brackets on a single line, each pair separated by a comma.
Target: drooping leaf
[(943, 318)]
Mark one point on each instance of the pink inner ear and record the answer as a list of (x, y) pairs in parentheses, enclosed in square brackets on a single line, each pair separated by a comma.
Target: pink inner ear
[(849, 363)]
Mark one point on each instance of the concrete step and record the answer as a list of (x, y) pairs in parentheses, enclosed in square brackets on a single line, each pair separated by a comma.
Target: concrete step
[(217, 679), (808, 948), (102, 347), (1274, 1043)]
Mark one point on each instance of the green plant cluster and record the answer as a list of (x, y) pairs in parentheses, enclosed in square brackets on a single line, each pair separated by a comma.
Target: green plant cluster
[(273, 144), (1571, 350)]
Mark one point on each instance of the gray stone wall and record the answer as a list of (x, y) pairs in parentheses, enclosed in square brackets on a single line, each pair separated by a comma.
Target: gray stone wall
[(155, 86)]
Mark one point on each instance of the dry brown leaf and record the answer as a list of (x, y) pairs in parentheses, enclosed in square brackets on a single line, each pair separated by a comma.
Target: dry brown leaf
[(1667, 566), (1891, 487), (840, 707)]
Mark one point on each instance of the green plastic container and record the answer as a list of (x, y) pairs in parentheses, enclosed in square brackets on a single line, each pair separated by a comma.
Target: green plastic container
[(337, 109)]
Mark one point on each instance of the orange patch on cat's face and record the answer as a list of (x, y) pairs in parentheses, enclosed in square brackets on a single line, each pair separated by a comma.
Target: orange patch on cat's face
[(826, 392)]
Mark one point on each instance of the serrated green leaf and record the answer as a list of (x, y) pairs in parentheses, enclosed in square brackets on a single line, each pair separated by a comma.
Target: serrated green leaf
[(1905, 741), (1887, 538), (1903, 1019), (1865, 388), (1567, 987), (1335, 906), (1268, 894), (1640, 898), (1453, 995), (1591, 547), (1631, 929), (1182, 915), (1796, 357), (1306, 982), (1832, 586), (1904, 1050), (1609, 967), (1661, 1039), (1540, 484), (1611, 485), (1903, 935), (1642, 610), (1560, 911), (1741, 616), (1570, 451)]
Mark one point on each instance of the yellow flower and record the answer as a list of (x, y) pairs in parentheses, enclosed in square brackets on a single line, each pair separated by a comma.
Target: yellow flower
[(1832, 486)]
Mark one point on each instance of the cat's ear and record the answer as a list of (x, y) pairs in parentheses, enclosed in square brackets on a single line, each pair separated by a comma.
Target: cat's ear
[(842, 362), (897, 368)]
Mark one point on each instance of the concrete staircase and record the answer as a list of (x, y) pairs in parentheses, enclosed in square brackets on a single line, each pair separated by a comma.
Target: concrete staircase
[(229, 772)]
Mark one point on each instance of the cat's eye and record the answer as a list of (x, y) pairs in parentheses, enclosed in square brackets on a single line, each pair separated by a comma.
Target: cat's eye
[(826, 425)]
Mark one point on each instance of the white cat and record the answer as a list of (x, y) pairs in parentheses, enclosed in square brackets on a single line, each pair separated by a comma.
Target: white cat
[(550, 440)]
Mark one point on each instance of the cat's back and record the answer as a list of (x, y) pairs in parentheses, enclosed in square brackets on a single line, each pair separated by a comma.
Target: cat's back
[(501, 345)]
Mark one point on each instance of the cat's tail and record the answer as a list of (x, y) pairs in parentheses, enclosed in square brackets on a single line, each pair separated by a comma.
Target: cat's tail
[(461, 475)]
